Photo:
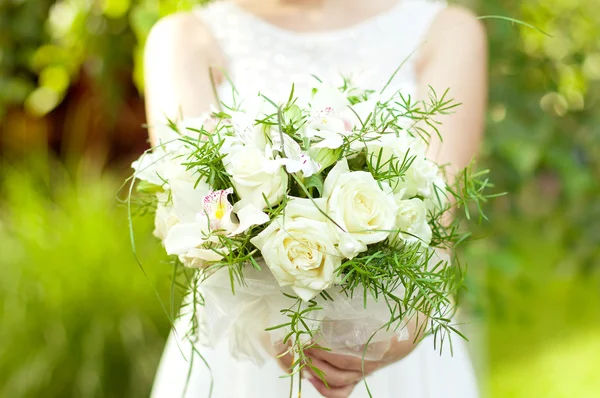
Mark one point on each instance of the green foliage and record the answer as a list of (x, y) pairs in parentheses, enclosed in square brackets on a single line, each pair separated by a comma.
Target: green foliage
[(78, 316), (46, 44), (543, 136), (21, 34), (534, 280)]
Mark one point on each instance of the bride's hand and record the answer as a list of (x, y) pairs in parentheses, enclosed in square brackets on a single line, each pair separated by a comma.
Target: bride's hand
[(344, 372)]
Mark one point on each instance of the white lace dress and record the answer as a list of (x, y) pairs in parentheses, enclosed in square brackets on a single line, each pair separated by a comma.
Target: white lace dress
[(263, 57)]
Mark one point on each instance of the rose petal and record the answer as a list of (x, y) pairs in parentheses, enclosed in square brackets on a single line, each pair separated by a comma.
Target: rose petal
[(305, 293)]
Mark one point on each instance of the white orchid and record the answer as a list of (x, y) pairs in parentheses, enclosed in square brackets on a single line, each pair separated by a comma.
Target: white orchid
[(197, 242), (293, 157), (245, 129), (330, 118)]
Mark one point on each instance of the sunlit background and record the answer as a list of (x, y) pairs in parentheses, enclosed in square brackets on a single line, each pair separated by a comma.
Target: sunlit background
[(79, 318)]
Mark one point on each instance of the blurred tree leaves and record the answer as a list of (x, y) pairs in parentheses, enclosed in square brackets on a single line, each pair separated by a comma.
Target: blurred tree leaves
[(543, 134), (46, 44), (535, 279), (21, 34)]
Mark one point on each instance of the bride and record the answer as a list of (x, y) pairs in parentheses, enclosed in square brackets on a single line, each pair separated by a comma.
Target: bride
[(265, 45)]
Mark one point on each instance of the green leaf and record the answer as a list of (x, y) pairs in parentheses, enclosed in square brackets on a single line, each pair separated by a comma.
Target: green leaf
[(315, 181)]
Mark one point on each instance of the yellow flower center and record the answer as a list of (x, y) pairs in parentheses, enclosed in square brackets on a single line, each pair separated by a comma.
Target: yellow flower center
[(220, 211)]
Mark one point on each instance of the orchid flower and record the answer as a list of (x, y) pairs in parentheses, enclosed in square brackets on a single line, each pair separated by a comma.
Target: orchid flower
[(189, 239), (295, 160)]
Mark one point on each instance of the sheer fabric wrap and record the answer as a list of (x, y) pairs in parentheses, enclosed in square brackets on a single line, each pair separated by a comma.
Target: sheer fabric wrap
[(357, 325)]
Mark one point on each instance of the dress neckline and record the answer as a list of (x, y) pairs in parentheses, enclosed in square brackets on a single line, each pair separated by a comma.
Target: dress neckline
[(315, 35)]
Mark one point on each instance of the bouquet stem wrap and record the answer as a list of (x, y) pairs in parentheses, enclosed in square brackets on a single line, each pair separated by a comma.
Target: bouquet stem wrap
[(343, 324)]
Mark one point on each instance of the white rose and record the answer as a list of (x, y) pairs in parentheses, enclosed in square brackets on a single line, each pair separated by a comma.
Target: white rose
[(411, 222), (364, 213), (421, 179), (422, 176), (256, 176), (299, 248)]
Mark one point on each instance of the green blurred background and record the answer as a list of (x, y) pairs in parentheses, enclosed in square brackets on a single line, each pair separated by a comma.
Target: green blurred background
[(78, 317)]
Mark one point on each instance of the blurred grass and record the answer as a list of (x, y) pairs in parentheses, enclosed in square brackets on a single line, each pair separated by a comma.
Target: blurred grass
[(536, 304), (564, 368), (77, 316)]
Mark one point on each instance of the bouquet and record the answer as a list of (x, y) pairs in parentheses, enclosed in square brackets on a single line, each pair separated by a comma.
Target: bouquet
[(311, 221)]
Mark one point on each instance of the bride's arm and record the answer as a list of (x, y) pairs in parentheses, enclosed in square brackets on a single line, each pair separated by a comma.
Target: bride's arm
[(179, 52), (454, 58)]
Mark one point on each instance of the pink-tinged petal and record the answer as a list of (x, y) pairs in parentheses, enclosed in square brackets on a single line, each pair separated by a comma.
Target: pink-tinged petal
[(309, 166), (347, 125), (216, 206)]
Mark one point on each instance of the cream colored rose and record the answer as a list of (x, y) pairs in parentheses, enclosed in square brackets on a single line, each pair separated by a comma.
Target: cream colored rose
[(256, 176), (421, 179), (364, 212), (422, 176), (411, 222), (299, 248)]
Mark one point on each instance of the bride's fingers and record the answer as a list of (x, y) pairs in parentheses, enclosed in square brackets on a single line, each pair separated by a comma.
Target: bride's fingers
[(284, 358), (331, 392), (285, 361), (335, 377), (345, 362)]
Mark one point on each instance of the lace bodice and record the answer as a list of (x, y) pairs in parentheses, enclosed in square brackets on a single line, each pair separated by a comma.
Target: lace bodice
[(266, 58)]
